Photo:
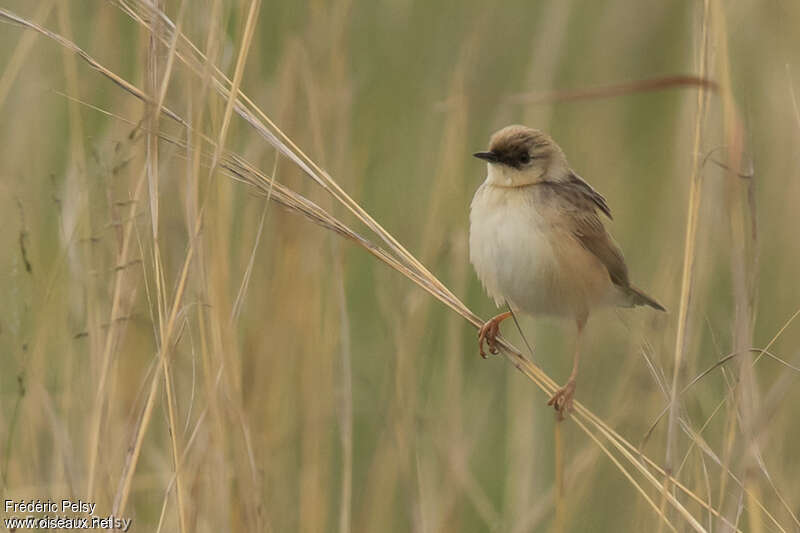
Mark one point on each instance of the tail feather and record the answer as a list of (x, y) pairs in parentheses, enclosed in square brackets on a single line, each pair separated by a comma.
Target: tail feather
[(638, 297)]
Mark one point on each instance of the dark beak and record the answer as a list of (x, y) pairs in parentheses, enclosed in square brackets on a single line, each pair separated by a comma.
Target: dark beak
[(491, 157)]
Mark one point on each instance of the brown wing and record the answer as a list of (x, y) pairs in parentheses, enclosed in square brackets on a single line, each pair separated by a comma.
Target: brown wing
[(584, 189), (580, 202)]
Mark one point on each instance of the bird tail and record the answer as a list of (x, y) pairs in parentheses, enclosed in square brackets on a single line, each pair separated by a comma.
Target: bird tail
[(638, 297)]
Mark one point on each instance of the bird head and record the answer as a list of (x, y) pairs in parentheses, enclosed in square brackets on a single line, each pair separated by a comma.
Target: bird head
[(519, 156)]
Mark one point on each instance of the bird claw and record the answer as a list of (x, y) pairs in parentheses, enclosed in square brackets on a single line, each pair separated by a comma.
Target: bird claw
[(562, 399), (488, 333)]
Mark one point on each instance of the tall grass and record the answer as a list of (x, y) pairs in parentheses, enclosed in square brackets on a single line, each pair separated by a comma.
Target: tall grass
[(183, 348)]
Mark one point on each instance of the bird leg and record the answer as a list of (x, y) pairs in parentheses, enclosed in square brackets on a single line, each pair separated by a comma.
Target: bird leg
[(489, 331), (562, 399)]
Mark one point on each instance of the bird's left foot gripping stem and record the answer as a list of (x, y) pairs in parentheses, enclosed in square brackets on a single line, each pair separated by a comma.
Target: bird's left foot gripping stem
[(562, 399), (489, 332)]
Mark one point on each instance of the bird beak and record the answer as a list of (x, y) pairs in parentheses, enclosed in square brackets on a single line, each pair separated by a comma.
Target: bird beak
[(491, 157)]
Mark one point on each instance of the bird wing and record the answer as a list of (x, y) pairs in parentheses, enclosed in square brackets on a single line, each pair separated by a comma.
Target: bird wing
[(579, 204)]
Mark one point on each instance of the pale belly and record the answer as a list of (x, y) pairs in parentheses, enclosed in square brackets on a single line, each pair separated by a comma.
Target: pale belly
[(524, 259)]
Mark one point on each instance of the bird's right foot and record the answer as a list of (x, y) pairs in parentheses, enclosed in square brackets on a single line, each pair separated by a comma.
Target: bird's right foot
[(489, 332)]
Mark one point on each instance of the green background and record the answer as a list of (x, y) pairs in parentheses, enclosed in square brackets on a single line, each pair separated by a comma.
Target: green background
[(333, 349)]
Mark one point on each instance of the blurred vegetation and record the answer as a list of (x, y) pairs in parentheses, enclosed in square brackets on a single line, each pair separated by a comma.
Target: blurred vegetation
[(335, 395)]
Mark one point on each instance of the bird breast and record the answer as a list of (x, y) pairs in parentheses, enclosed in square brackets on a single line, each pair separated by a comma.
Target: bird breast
[(524, 255)]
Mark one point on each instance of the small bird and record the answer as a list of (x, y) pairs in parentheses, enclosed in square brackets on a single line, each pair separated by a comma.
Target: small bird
[(538, 243)]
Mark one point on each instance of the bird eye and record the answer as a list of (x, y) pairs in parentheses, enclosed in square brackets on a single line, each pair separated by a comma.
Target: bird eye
[(525, 158)]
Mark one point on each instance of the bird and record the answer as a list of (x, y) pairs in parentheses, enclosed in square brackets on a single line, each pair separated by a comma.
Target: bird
[(538, 242)]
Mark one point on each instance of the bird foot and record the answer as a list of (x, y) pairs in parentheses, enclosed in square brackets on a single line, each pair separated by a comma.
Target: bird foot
[(562, 399), (488, 333)]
